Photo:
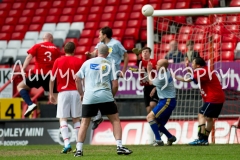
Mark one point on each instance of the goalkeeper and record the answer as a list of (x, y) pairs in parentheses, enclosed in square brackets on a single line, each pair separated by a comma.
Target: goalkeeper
[(149, 91)]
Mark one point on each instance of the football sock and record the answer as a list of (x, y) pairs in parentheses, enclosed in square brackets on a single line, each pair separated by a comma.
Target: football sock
[(76, 129), (24, 94), (79, 146), (200, 129), (165, 131), (119, 143), (154, 127), (206, 134), (64, 131)]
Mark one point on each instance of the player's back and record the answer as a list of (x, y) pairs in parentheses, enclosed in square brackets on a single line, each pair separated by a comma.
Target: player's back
[(45, 53), (67, 67)]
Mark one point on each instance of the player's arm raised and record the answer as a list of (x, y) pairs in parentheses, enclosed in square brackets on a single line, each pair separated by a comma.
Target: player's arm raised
[(91, 54)]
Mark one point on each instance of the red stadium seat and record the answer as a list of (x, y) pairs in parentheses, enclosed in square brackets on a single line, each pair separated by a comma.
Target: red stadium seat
[(82, 10), (202, 21), (219, 18), (7, 28), (117, 32), (122, 16), (93, 17), (227, 46), (234, 3), (141, 1), (196, 5), (128, 2), (5, 6), (124, 8), (216, 37), (144, 23), (132, 33), (85, 41), (28, 12), (201, 29), (11, 20), (35, 27), (17, 36), (110, 9), (88, 33), (232, 20), (74, 40), (227, 56), (21, 28), (95, 9), (66, 18), (113, 2), (32, 5), (55, 11), (95, 41), (129, 44), (168, 38), (186, 30), (3, 14), (133, 23), (156, 6), (24, 20), (120, 24), (99, 3), (137, 7), (38, 19), (5, 36), (183, 38), (71, 3), (163, 26), (86, 3), (136, 15), (164, 47), (79, 18), (180, 19), (18, 5), (218, 29), (52, 19), (199, 38), (81, 50), (105, 23), (143, 35), (182, 47), (107, 16), (182, 5), (229, 38), (68, 11), (91, 25), (168, 5), (199, 47), (58, 4), (14, 13), (231, 29), (132, 57), (45, 4)]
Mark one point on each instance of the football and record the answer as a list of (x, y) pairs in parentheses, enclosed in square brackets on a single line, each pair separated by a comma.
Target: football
[(147, 10)]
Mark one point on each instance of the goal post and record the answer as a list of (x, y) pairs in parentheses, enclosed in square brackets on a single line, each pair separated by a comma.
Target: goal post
[(215, 40)]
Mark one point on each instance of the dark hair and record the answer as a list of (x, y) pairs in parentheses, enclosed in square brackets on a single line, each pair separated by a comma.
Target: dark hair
[(69, 47), (190, 42), (107, 31), (200, 61), (146, 48)]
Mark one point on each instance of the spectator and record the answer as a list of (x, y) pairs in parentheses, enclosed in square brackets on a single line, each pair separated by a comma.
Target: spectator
[(191, 54), (174, 55)]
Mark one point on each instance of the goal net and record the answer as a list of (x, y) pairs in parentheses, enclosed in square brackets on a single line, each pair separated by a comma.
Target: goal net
[(214, 37)]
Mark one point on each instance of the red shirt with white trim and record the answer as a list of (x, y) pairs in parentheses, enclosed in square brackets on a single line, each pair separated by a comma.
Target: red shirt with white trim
[(45, 53), (144, 81), (210, 88), (65, 69)]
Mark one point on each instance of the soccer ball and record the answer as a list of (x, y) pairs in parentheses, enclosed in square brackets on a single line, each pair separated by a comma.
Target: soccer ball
[(147, 10)]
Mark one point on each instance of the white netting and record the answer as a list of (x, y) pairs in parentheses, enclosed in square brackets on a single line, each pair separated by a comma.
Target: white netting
[(222, 36)]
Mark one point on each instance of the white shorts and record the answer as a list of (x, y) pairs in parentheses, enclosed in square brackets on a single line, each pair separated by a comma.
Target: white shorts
[(69, 104)]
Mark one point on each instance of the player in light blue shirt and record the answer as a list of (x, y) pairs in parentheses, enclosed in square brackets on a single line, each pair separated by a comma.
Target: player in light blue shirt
[(116, 52), (100, 88), (159, 116)]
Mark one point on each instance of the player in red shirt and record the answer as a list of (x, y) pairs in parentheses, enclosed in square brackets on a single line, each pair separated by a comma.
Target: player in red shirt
[(69, 101), (45, 53), (149, 91), (213, 98)]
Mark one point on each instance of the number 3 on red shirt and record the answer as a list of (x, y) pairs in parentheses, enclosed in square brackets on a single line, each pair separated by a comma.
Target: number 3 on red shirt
[(48, 56)]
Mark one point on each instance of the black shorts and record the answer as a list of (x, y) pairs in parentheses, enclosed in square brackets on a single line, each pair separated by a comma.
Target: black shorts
[(146, 93), (37, 81), (106, 108), (211, 110)]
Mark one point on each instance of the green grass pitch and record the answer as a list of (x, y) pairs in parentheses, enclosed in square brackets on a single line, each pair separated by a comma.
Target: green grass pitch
[(140, 152)]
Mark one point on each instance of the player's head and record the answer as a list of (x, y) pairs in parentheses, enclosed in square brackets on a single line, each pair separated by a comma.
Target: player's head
[(47, 37), (173, 45), (198, 62), (162, 63), (103, 50), (146, 53), (69, 48), (190, 45), (105, 33)]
